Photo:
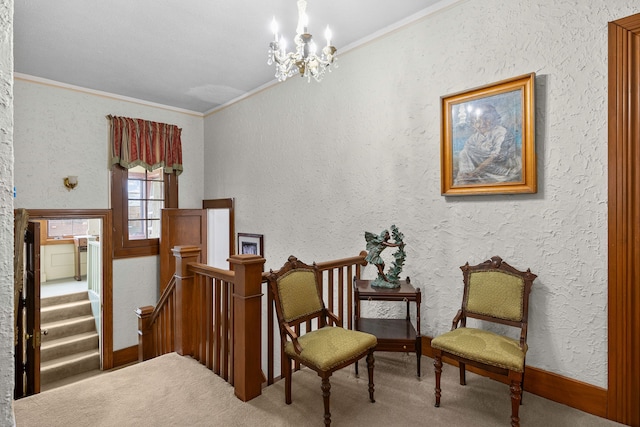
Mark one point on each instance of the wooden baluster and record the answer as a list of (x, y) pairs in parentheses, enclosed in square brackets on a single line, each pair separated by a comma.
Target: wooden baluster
[(331, 286), (349, 290), (340, 312), (270, 339), (209, 323), (219, 333), (227, 341)]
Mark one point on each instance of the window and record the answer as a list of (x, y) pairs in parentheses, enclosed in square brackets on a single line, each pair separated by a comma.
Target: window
[(59, 229), (145, 199), (137, 199)]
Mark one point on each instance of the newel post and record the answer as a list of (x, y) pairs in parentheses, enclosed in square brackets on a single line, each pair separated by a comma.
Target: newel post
[(185, 294), (247, 305), (145, 333)]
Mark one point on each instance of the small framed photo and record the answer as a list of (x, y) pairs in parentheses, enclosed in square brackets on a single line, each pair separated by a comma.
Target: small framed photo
[(251, 244), (488, 139)]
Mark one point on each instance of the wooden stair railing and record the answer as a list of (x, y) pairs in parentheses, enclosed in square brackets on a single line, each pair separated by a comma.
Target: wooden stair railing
[(156, 326), (215, 315), (212, 315)]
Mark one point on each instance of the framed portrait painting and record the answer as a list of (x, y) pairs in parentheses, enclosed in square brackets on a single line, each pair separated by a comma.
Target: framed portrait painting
[(488, 139), (251, 244)]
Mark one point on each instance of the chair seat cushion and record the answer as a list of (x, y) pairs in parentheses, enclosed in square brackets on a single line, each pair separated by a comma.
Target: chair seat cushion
[(482, 346), (330, 346)]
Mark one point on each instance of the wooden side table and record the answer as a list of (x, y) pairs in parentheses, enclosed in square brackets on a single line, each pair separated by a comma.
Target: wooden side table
[(392, 334)]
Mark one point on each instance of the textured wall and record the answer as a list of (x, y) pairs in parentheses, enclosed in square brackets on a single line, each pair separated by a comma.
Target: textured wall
[(71, 128), (135, 284), (6, 213), (313, 166), (60, 132)]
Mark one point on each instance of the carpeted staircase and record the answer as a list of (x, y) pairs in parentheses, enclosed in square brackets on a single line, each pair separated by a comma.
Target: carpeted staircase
[(71, 345)]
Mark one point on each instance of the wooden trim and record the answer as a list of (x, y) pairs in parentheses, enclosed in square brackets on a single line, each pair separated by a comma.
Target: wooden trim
[(217, 204), (225, 204), (624, 210), (576, 394), (122, 246), (107, 268), (125, 356)]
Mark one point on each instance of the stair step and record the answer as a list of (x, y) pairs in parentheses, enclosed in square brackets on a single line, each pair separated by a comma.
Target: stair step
[(69, 345), (64, 328), (65, 311), (70, 379), (57, 369), (63, 299)]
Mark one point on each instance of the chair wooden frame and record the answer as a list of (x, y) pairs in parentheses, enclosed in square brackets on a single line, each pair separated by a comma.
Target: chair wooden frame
[(514, 378), (290, 331)]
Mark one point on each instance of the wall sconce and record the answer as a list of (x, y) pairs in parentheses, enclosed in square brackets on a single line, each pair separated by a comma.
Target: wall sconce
[(71, 182)]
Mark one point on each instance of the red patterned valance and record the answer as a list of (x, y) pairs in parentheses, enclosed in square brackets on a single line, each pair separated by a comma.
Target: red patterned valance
[(137, 142)]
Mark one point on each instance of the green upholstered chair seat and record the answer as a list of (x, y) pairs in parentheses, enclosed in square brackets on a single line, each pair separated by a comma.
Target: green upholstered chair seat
[(328, 347), (482, 346)]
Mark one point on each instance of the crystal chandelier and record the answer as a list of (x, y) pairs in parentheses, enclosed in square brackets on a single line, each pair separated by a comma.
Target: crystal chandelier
[(304, 60)]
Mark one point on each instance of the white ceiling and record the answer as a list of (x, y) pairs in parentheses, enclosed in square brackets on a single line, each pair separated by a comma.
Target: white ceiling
[(190, 54)]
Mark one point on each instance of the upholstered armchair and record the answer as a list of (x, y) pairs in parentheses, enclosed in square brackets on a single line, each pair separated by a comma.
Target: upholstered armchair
[(326, 349), (494, 292)]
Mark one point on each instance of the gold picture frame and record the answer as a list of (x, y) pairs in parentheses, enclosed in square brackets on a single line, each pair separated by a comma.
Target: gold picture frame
[(488, 137)]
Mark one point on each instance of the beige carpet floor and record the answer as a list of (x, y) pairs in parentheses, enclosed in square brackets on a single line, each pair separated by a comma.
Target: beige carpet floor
[(177, 391)]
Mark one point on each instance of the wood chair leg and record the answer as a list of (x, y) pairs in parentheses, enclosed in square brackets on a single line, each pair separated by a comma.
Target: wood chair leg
[(516, 397), (370, 363), (326, 394), (437, 363), (287, 381), (463, 373)]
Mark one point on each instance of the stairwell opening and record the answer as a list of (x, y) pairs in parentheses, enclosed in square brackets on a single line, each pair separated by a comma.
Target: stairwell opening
[(71, 299)]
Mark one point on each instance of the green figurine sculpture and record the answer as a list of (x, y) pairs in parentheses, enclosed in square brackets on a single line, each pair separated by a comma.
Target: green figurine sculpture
[(375, 245)]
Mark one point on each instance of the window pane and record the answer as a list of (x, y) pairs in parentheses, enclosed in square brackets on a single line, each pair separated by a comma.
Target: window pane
[(136, 209), (59, 228), (155, 190), (154, 209), (136, 230), (154, 229), (134, 189)]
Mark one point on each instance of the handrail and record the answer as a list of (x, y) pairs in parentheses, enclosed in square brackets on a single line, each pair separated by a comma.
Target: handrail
[(329, 265), (166, 294), (344, 262), (212, 272)]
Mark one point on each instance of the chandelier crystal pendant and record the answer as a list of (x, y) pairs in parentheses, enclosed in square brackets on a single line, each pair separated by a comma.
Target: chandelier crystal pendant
[(304, 60)]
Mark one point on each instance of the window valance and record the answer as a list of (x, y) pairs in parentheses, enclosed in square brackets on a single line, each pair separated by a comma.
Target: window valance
[(137, 142)]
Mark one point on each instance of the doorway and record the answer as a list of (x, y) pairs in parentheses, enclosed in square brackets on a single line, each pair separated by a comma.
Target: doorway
[(83, 262), (70, 289)]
